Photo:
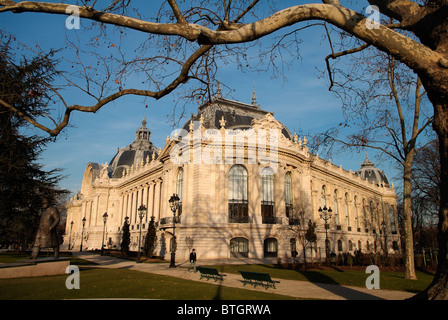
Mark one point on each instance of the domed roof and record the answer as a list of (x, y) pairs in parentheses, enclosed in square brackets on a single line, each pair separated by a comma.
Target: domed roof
[(136, 153), (236, 115), (372, 174)]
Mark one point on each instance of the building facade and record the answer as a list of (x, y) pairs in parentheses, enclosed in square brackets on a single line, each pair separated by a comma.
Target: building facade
[(247, 188)]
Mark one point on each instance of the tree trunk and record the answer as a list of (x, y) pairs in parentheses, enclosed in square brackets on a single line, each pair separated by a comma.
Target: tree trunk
[(438, 289), (409, 241)]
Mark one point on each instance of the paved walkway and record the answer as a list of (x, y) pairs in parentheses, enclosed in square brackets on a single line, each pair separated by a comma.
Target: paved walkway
[(298, 289)]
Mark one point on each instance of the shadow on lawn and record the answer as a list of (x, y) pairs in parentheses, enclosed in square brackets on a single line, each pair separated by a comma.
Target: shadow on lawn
[(324, 281)]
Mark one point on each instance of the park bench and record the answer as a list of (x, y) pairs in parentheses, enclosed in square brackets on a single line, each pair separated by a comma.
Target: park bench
[(258, 279), (210, 273)]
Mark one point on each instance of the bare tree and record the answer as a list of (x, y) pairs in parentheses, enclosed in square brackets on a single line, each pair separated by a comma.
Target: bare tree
[(199, 30), (389, 113), (303, 230)]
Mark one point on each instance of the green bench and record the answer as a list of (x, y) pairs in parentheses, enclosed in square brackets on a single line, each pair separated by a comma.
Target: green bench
[(258, 279), (210, 273)]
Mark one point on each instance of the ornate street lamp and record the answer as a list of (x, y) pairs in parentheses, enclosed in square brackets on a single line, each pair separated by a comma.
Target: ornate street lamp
[(174, 205), (141, 213), (104, 230), (325, 214), (82, 232), (70, 236)]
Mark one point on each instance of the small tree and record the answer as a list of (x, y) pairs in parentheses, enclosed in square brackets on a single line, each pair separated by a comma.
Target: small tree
[(305, 234), (310, 233), (151, 239), (126, 237)]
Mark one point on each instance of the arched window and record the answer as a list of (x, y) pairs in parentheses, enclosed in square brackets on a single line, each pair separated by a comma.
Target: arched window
[(239, 247), (238, 207), (179, 188), (267, 195), (335, 209), (355, 203), (293, 244), (270, 247), (347, 218), (288, 194), (339, 245)]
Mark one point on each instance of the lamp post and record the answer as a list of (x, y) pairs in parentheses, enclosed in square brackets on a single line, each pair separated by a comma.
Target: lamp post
[(82, 232), (325, 214), (141, 213), (70, 236), (104, 230), (174, 205)]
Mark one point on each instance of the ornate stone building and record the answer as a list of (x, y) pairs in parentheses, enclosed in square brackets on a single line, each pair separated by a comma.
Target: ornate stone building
[(247, 186)]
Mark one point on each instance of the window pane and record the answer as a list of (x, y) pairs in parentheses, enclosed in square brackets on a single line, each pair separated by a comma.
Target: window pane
[(237, 183), (180, 183), (267, 185), (288, 189), (239, 247)]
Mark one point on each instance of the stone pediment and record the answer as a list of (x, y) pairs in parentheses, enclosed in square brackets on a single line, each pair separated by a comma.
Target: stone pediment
[(267, 122)]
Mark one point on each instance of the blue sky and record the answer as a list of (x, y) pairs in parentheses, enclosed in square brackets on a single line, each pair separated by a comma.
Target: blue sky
[(303, 103)]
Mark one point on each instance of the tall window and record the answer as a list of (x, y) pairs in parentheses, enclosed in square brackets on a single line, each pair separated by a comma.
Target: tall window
[(335, 210), (267, 195), (347, 218), (355, 202), (238, 207), (270, 247), (293, 244), (179, 187), (340, 245), (288, 194)]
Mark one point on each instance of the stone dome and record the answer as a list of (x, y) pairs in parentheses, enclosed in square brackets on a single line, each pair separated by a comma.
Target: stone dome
[(138, 152), (372, 174)]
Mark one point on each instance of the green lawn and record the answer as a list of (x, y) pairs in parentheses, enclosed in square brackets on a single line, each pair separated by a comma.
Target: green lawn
[(120, 283), (123, 283), (388, 280)]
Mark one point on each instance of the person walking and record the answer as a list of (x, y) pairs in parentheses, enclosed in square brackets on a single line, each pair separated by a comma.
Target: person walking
[(192, 260)]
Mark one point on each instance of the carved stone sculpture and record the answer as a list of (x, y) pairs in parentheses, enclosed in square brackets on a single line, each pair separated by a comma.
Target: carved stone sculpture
[(46, 236)]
